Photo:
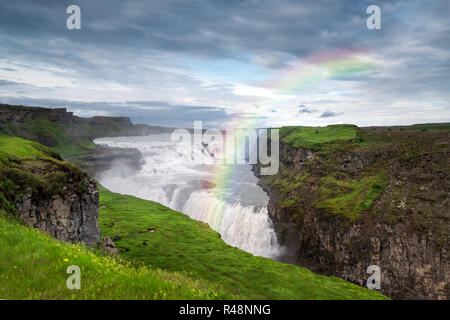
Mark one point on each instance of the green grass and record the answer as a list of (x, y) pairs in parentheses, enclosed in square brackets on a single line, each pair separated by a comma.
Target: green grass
[(348, 177), (157, 236), (350, 197), (50, 133), (12, 147), (33, 266), (57, 137), (287, 180), (44, 127), (316, 137)]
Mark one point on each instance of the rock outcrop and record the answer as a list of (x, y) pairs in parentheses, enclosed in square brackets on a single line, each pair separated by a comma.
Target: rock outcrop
[(108, 245), (69, 216), (47, 193)]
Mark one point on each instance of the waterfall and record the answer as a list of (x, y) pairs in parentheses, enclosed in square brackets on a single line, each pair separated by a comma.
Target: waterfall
[(177, 180)]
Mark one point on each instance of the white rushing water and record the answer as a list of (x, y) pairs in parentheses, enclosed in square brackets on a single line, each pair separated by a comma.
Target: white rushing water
[(183, 182)]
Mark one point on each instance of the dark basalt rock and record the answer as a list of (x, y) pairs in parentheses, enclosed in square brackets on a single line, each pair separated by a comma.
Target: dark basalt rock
[(67, 216)]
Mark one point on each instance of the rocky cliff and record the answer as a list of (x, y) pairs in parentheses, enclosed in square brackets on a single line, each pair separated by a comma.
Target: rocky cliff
[(68, 216), (345, 199), (48, 193)]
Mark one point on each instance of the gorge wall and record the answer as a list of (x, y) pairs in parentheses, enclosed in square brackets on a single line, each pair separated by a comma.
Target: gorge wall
[(47, 193), (377, 198)]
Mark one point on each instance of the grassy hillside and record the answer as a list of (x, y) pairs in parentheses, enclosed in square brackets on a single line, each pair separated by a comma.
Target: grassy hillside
[(33, 266), (39, 127), (316, 137), (151, 234), (12, 147)]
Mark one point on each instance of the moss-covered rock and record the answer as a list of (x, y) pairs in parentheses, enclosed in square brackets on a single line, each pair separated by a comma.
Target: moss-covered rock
[(46, 192)]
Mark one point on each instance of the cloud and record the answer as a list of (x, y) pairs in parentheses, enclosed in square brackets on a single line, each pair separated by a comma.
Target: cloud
[(176, 55), (330, 114), (7, 83), (304, 109)]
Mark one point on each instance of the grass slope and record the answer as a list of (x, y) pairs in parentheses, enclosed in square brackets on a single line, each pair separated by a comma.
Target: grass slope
[(157, 236), (33, 266), (50, 133), (316, 137), (12, 147)]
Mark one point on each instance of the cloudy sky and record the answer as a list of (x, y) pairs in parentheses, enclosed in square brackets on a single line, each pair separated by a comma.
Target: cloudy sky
[(275, 62)]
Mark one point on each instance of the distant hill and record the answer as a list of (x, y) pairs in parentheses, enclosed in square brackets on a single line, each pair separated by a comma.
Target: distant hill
[(70, 135), (73, 136), (444, 126)]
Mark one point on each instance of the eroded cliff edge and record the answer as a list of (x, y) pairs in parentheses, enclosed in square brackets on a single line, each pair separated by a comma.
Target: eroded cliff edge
[(346, 198), (47, 193)]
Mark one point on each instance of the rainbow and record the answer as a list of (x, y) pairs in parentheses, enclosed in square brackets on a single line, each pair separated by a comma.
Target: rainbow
[(329, 65), (324, 66)]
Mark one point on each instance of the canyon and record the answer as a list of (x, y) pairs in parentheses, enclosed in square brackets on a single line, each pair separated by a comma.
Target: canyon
[(343, 199)]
